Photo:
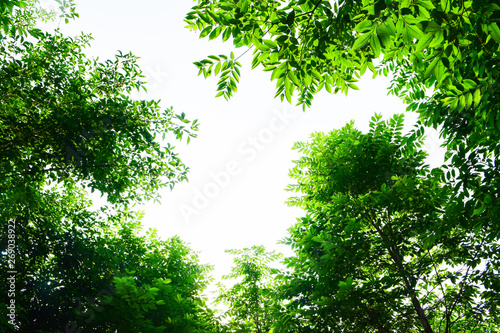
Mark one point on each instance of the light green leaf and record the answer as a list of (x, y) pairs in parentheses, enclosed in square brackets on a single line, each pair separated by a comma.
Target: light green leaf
[(469, 84), (215, 33), (468, 100), (445, 5), (495, 32), (361, 41), (270, 43), (423, 42), (295, 80), (226, 34), (431, 67), (217, 68), (244, 4), (363, 26), (226, 6), (205, 31), (259, 45), (375, 44), (427, 4), (477, 97), (439, 71)]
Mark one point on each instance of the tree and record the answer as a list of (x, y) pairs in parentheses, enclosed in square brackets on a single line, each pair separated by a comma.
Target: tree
[(443, 57), (313, 45), (67, 124), (79, 270), (66, 118), (251, 301), (380, 249), (20, 17)]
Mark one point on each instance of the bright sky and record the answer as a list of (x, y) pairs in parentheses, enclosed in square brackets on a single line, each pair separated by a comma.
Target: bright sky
[(239, 163)]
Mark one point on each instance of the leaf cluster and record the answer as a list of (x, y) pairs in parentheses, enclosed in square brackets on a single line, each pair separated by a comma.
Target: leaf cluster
[(380, 248), (66, 118)]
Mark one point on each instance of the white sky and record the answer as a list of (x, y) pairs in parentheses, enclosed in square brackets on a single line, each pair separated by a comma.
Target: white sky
[(245, 143)]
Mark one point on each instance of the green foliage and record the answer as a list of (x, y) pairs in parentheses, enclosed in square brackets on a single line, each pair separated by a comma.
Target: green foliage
[(21, 17), (318, 44), (305, 45), (67, 124), (381, 247), (251, 301), (443, 57), (356, 174), (66, 118), (386, 244), (7, 11), (88, 270), (228, 69)]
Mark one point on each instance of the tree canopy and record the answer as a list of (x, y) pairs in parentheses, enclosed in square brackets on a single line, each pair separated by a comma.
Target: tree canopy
[(251, 301), (380, 250), (67, 118), (386, 243), (443, 58), (80, 270), (69, 125)]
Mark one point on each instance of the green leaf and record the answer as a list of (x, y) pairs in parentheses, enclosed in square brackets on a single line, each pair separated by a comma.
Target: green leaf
[(487, 199), (244, 4), (226, 6), (294, 78), (494, 32), (226, 34), (353, 86), (290, 18), (375, 44), (384, 33), (430, 69), (469, 84), (205, 31), (411, 32), (217, 68), (477, 97), (439, 71), (361, 41), (363, 26), (270, 43), (259, 45), (427, 4), (215, 33), (424, 42), (445, 5)]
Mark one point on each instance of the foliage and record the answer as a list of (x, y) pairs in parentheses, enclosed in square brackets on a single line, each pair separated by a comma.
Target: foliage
[(83, 270), (20, 17), (66, 118), (443, 59), (251, 300), (380, 249), (313, 45), (8, 12), (443, 56), (386, 244), (68, 123)]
